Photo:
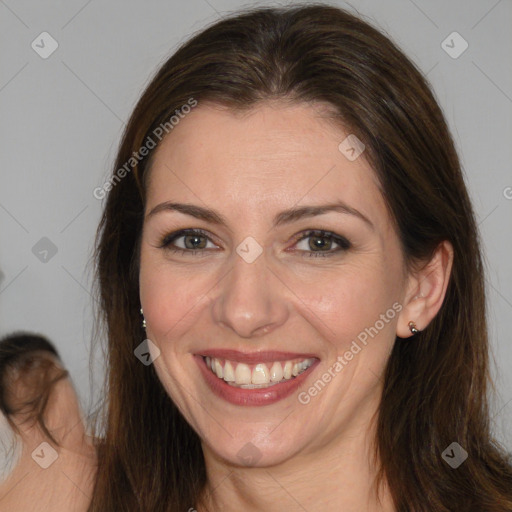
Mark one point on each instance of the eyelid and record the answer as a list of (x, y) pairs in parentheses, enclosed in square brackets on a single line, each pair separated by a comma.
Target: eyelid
[(167, 239), (306, 233)]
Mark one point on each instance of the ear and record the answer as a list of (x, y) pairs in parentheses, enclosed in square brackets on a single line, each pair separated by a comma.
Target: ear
[(426, 289)]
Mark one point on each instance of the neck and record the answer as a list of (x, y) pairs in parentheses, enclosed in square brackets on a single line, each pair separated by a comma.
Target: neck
[(338, 475)]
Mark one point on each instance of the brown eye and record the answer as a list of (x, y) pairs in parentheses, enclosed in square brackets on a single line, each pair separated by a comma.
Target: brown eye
[(321, 242)]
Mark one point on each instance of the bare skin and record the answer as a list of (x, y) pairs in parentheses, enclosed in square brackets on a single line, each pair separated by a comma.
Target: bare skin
[(311, 456), (49, 477)]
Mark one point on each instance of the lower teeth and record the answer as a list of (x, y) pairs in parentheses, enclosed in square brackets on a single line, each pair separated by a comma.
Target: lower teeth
[(255, 386)]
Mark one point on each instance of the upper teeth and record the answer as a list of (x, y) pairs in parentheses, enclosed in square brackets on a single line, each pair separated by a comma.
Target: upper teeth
[(261, 375)]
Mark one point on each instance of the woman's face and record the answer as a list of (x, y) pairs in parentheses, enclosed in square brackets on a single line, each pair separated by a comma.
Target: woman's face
[(248, 284)]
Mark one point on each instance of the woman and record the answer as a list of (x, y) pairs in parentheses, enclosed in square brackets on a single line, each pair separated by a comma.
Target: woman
[(49, 462), (290, 277)]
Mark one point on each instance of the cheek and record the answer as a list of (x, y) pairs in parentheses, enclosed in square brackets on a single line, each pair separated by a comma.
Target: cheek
[(339, 303), (350, 303), (168, 298)]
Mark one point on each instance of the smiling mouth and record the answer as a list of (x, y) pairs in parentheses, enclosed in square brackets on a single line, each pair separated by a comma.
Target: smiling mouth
[(256, 376)]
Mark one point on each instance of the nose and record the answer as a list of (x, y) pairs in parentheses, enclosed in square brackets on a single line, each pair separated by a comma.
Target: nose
[(251, 300)]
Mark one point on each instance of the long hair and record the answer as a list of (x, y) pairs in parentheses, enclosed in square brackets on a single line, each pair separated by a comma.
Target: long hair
[(27, 365), (435, 388)]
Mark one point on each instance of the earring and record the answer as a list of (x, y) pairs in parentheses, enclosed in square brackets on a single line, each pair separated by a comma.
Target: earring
[(412, 328), (143, 319)]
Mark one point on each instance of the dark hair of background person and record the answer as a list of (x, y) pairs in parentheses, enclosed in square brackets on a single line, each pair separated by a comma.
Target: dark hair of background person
[(27, 377), (435, 385)]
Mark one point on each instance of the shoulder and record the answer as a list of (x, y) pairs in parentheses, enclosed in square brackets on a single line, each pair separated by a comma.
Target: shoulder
[(49, 460)]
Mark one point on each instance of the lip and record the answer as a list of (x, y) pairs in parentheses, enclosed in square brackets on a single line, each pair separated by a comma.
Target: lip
[(267, 356), (251, 397)]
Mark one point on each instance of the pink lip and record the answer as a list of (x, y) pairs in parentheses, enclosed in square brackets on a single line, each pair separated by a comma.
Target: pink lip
[(251, 397), (254, 357)]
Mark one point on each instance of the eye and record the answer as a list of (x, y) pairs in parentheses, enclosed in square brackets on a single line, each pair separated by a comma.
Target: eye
[(192, 241), (195, 240), (317, 241)]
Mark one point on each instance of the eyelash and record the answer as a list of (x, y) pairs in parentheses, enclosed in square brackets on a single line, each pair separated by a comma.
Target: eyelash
[(342, 242)]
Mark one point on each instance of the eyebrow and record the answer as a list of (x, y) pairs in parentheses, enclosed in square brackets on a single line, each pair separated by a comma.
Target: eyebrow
[(284, 217)]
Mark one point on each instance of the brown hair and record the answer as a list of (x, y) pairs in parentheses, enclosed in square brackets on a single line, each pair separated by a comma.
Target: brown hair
[(435, 389), (28, 375)]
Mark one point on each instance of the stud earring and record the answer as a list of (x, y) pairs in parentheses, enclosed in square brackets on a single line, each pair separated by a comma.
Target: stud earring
[(412, 328), (143, 319)]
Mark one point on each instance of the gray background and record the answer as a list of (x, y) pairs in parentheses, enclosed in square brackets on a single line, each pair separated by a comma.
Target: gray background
[(62, 118)]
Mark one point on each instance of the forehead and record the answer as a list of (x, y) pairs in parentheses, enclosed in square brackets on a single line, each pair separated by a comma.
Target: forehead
[(261, 161)]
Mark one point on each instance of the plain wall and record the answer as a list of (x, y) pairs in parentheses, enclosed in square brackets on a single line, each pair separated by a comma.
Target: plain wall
[(62, 119)]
